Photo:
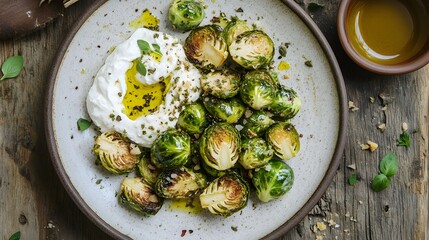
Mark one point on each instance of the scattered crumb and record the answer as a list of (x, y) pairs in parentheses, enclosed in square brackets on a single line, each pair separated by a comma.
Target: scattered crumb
[(360, 202), (382, 127), (321, 226), (347, 214), (337, 226), (135, 150), (318, 237), (372, 146), (314, 229), (286, 76), (353, 219), (352, 166), (384, 108), (364, 146), (331, 223), (371, 99), (346, 230), (352, 106), (404, 126)]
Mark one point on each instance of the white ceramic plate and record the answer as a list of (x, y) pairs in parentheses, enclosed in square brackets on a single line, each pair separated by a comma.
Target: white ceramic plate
[(321, 121)]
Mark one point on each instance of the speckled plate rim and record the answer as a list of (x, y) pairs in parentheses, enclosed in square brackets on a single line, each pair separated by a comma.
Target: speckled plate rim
[(288, 225)]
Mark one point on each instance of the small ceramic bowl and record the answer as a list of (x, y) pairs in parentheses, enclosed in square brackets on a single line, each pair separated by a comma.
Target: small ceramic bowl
[(418, 60)]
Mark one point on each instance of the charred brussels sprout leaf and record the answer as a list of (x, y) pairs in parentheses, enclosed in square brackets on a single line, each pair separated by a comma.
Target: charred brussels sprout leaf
[(286, 103), (256, 124), (171, 149), (186, 14), (223, 83), (139, 195), (193, 119), (205, 47), (147, 170), (225, 195), (258, 90), (252, 50), (273, 180), (284, 139), (180, 183), (225, 110), (255, 152), (234, 29), (116, 153), (220, 146)]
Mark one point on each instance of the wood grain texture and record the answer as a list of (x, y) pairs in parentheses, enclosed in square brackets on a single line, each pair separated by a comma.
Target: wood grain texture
[(33, 201)]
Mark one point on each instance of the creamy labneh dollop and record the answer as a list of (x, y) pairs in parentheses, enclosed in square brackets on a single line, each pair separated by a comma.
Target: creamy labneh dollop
[(143, 86)]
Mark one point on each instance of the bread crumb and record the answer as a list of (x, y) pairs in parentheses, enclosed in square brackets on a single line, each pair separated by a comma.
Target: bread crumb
[(371, 99), (286, 76), (352, 106), (347, 214), (321, 226), (360, 202), (364, 146), (318, 237), (346, 230), (352, 166), (404, 126), (382, 127), (372, 146), (331, 223), (384, 108)]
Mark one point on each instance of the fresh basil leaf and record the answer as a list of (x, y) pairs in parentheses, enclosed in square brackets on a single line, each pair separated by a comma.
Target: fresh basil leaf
[(157, 48), (83, 124), (404, 140), (144, 46), (12, 67), (389, 165), (141, 68), (314, 6), (15, 236), (352, 180), (380, 182)]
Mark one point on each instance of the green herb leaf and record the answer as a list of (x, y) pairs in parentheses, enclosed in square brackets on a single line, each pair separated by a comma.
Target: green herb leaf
[(389, 165), (380, 182), (12, 67), (308, 63), (83, 124), (282, 51), (15, 236), (404, 140), (144, 46), (141, 68), (157, 48), (352, 180), (314, 6)]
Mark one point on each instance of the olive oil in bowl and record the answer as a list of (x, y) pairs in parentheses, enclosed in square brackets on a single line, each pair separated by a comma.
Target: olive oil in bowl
[(388, 32)]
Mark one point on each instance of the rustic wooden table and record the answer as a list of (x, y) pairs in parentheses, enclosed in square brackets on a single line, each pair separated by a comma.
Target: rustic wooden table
[(33, 201)]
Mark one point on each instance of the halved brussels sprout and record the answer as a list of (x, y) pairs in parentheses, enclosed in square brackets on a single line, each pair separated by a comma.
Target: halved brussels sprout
[(116, 153), (225, 110), (286, 103), (263, 75), (139, 195), (256, 124), (147, 170), (273, 180), (193, 119), (255, 152), (235, 28), (186, 14), (258, 91), (220, 146), (171, 149), (180, 183), (223, 83), (205, 47), (225, 195), (284, 139), (252, 49)]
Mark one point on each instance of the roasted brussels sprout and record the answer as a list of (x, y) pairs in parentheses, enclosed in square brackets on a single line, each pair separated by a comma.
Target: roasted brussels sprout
[(255, 152), (273, 180), (116, 153), (235, 28), (262, 75), (147, 170), (220, 146), (225, 195), (286, 103), (186, 14), (171, 149), (252, 49), (284, 139), (225, 110), (193, 119), (139, 195), (256, 124), (205, 47), (180, 183), (223, 83), (258, 91)]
